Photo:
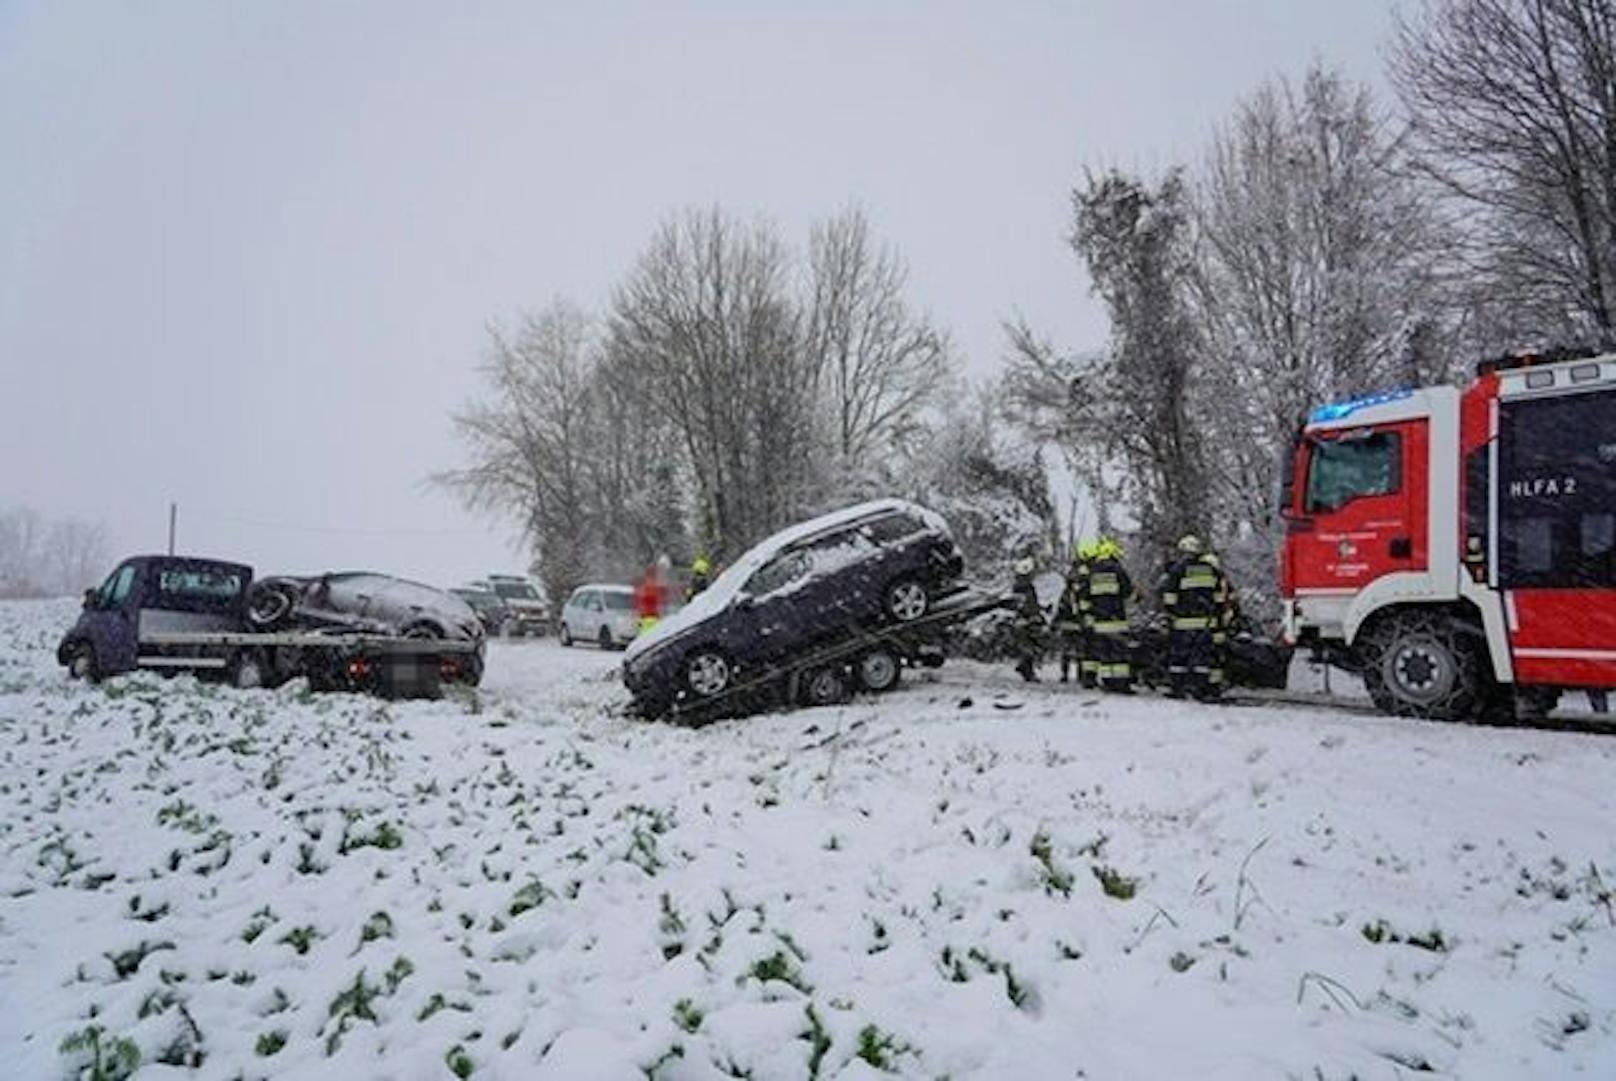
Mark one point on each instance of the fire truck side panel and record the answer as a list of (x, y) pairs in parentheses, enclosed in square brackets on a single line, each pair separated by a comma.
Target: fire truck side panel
[(1554, 518)]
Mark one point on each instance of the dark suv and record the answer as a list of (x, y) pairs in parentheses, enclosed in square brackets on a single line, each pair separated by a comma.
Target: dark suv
[(815, 584)]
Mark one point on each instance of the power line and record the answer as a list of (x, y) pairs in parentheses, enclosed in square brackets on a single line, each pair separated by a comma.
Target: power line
[(349, 531)]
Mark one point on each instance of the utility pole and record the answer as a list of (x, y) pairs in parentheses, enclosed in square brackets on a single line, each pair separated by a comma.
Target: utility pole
[(173, 513)]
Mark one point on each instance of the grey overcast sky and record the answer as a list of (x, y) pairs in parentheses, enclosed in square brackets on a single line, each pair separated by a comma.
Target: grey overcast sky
[(248, 251)]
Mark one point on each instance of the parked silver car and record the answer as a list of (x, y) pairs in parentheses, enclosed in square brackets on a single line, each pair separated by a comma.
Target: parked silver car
[(599, 613)]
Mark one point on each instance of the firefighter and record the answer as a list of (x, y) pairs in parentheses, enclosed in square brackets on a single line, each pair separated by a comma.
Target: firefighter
[(1105, 617), (1199, 606), (1069, 616), (1029, 621), (701, 572)]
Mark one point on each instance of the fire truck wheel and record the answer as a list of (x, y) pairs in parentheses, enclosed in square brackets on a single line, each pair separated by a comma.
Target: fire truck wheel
[(1420, 665)]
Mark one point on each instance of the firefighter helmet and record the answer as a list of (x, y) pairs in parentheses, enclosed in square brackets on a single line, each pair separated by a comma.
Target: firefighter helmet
[(1190, 544), (1024, 567), (701, 566)]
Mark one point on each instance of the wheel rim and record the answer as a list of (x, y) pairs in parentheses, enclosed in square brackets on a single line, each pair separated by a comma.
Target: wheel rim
[(270, 606), (824, 687), (1421, 671), (80, 668), (709, 674), (565, 637), (878, 671), (908, 600)]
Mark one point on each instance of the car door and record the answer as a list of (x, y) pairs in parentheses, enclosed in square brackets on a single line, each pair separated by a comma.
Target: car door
[(1361, 513), (765, 623), (112, 624), (847, 572)]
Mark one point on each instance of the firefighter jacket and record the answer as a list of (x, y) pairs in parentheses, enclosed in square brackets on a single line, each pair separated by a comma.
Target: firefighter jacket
[(1196, 596), (1069, 613), (1103, 601)]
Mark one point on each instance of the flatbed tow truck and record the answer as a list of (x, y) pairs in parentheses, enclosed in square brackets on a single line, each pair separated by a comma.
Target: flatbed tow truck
[(180, 614)]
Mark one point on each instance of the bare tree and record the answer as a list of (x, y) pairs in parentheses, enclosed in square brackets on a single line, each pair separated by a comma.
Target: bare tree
[(530, 441), (880, 364), (706, 318), (1317, 278), (1514, 106), (45, 558)]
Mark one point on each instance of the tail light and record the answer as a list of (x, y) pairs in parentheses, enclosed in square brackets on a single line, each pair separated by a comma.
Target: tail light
[(358, 668)]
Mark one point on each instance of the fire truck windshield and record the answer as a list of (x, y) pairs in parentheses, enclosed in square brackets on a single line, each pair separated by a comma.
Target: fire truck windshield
[(1341, 470)]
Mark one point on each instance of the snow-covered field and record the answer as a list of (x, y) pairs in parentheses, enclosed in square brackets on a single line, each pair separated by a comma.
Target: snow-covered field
[(525, 884)]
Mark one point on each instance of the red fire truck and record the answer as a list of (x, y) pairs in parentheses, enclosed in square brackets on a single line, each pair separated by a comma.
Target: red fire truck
[(1458, 548)]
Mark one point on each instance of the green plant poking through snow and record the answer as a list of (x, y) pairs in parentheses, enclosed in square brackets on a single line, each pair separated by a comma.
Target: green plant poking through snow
[(98, 1059), (1055, 878)]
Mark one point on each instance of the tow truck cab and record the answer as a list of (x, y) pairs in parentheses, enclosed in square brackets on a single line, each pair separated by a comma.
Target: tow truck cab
[(1455, 547), (154, 594)]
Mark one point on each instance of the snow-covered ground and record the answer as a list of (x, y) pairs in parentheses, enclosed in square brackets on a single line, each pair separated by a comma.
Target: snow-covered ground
[(523, 883)]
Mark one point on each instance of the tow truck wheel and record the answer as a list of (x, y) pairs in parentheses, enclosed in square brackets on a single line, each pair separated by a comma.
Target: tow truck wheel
[(1420, 666), (906, 600), (823, 687), (707, 674), (878, 670), (248, 670), (81, 663)]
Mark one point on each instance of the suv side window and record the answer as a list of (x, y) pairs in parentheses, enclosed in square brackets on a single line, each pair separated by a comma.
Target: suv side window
[(778, 572), (1345, 469), (891, 528)]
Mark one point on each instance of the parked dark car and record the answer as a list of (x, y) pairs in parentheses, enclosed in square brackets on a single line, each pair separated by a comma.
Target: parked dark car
[(880, 563), (529, 613), (490, 607), (361, 601)]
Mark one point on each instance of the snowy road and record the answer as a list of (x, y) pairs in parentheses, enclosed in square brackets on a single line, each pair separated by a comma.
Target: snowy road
[(523, 884)]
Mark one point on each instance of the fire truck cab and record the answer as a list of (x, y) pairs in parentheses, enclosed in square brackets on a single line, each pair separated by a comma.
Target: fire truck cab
[(1458, 549)]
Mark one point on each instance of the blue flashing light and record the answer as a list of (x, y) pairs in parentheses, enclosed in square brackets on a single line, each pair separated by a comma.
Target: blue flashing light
[(1340, 410)]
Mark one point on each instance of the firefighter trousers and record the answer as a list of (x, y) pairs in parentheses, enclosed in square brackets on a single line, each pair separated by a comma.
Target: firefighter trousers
[(1111, 656), (1195, 663)]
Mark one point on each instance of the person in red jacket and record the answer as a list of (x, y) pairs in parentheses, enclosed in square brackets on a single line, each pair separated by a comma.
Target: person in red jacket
[(651, 594)]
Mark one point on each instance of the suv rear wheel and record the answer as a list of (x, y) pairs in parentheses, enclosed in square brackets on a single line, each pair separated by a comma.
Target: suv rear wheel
[(906, 600)]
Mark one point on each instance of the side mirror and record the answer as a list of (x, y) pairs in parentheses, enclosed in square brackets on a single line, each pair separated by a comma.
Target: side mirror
[(89, 599)]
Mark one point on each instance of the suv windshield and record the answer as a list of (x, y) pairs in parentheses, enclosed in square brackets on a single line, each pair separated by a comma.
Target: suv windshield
[(519, 591)]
